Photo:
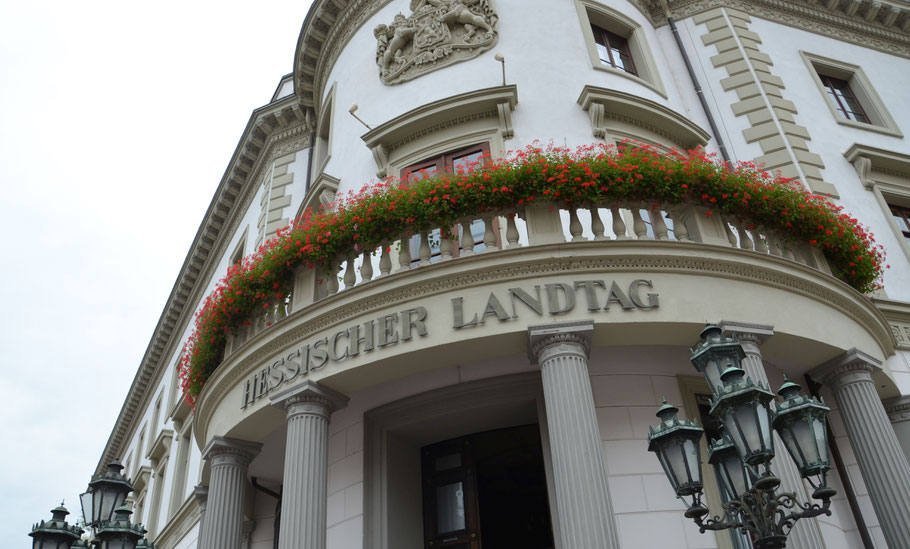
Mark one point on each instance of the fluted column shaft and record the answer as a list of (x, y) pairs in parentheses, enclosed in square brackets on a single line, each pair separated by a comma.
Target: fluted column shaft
[(582, 494), (881, 460), (229, 460), (805, 533), (303, 499)]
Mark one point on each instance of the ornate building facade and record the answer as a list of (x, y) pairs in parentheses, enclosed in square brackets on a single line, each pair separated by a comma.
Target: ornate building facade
[(496, 391)]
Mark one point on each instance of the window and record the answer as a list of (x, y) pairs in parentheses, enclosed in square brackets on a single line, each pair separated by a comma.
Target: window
[(617, 44), (850, 96), (613, 50), (902, 218), (452, 162), (844, 101)]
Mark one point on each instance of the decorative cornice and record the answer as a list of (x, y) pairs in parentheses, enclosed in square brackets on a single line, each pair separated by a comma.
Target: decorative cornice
[(615, 256), (269, 127), (866, 159), (547, 335), (882, 24)]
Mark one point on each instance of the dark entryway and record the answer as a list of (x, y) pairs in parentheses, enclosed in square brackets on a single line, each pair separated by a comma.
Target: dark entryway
[(486, 491)]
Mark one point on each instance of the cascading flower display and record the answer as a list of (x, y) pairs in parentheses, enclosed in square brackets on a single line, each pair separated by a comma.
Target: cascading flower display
[(593, 175)]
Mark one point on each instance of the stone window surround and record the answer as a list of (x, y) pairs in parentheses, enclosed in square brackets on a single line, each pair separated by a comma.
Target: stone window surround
[(880, 119), (444, 125), (323, 145), (447, 413), (609, 110), (887, 175), (591, 12)]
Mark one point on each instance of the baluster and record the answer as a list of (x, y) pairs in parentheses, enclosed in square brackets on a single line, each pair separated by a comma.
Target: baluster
[(660, 226), (289, 305), (638, 224), (761, 245), (445, 245), (424, 251), (404, 254), (331, 285), (679, 226), (619, 227), (467, 239), (774, 245), (385, 262), (512, 232), (597, 225), (489, 237), (366, 268), (745, 241), (575, 226), (731, 238), (350, 277)]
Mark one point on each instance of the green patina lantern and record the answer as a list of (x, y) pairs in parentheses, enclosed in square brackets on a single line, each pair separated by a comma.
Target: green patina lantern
[(55, 533), (801, 421), (120, 533), (742, 407), (675, 442), (714, 354)]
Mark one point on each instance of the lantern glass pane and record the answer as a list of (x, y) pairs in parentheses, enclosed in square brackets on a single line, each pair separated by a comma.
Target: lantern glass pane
[(668, 470), (693, 458), (733, 474), (738, 433), (821, 439), (712, 374), (764, 425), (98, 505), (87, 509), (789, 438), (108, 501)]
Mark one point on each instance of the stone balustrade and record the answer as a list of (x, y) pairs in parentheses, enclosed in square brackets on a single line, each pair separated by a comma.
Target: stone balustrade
[(532, 225)]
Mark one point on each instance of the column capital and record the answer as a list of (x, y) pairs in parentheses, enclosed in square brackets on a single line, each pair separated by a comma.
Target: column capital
[(747, 331), (833, 372), (309, 393), (201, 493), (542, 336), (898, 409), (230, 451)]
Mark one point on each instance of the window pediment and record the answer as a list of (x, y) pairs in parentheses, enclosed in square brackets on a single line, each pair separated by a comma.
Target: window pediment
[(141, 481), (160, 446), (610, 109), (496, 103), (866, 160)]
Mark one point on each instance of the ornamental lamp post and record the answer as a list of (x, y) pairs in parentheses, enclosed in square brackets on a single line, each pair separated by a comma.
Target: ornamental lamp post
[(743, 408), (800, 421), (675, 442), (55, 533), (105, 493), (714, 354), (120, 533), (742, 456), (736, 478)]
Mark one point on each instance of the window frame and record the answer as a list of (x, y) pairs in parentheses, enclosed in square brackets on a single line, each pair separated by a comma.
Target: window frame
[(608, 38), (445, 163), (879, 119), (592, 14)]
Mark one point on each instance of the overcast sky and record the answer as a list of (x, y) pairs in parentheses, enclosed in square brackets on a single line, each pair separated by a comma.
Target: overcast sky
[(117, 120)]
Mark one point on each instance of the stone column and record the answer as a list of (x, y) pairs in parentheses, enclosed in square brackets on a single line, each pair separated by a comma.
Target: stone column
[(881, 460), (201, 493), (898, 410), (229, 460), (303, 498), (805, 533), (582, 494)]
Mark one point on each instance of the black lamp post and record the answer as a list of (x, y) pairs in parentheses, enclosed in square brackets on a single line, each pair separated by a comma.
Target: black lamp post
[(55, 533), (103, 510), (743, 455)]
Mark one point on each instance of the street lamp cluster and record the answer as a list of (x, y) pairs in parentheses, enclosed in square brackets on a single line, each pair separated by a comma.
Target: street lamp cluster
[(105, 514), (742, 455)]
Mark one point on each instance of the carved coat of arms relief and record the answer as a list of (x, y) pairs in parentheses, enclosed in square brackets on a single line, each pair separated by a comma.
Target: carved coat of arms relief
[(438, 33)]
